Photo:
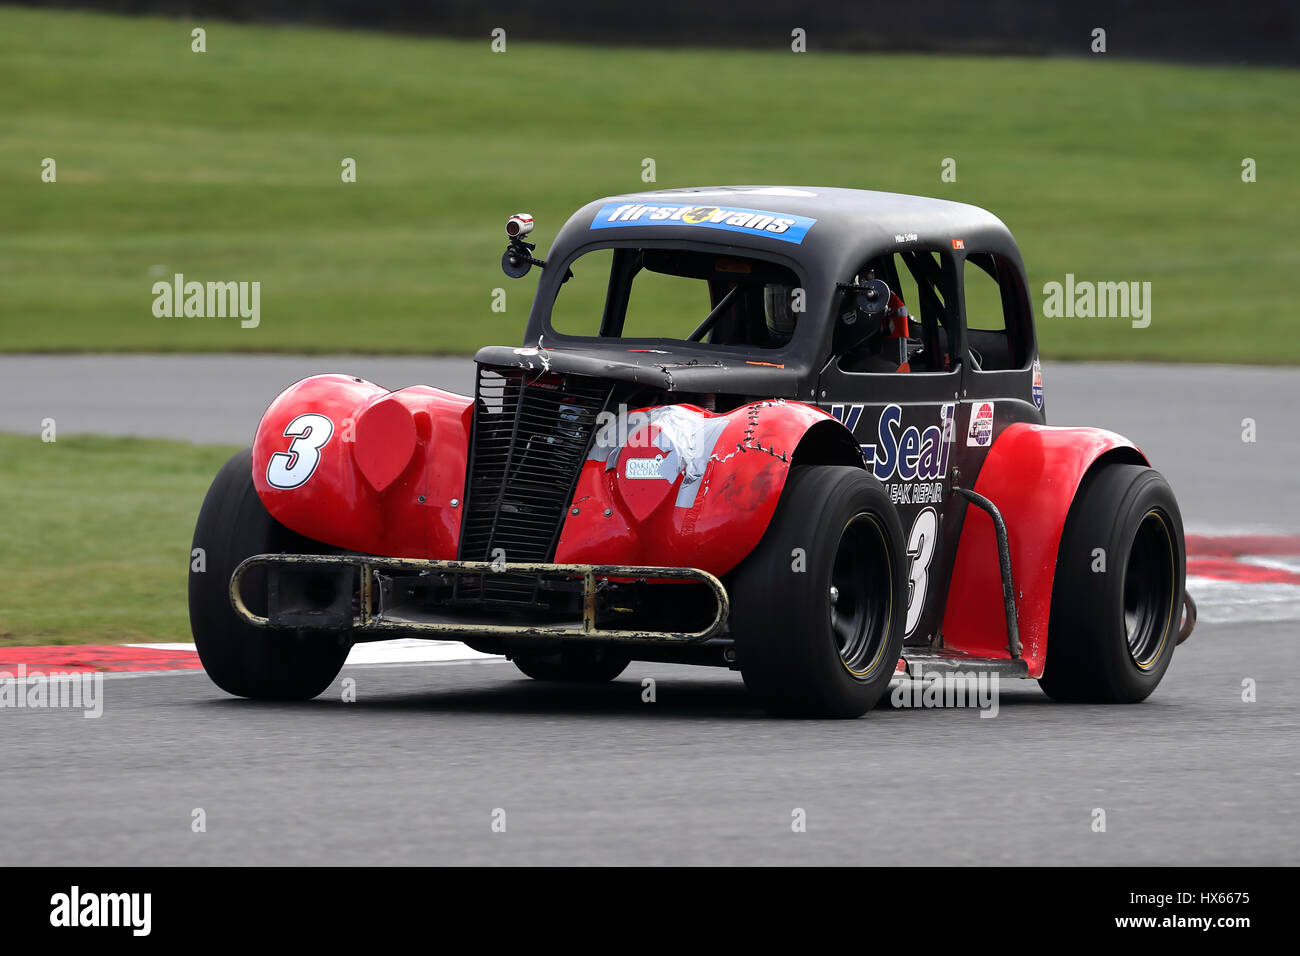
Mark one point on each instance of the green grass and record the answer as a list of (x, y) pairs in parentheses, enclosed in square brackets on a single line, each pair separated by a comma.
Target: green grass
[(225, 165), (95, 541)]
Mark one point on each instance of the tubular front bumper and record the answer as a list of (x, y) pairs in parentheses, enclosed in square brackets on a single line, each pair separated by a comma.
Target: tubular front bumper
[(359, 600)]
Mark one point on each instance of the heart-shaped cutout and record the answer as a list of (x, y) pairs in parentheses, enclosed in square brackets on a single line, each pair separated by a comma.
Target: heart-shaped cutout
[(385, 442)]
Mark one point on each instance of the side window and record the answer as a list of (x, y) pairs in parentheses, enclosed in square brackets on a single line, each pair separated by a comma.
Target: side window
[(578, 308), (924, 281), (906, 288), (996, 328)]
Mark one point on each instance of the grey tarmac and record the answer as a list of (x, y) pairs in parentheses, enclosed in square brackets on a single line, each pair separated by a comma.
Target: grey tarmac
[(413, 770)]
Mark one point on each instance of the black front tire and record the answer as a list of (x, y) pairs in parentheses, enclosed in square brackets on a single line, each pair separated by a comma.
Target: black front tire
[(1118, 593), (587, 665), (241, 659), (818, 608)]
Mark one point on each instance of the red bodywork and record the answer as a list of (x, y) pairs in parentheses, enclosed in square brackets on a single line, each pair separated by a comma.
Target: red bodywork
[(395, 462), (628, 520), (390, 480), (1031, 473), (387, 474)]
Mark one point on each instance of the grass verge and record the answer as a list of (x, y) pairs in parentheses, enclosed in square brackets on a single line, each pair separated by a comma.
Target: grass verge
[(95, 541), (225, 165)]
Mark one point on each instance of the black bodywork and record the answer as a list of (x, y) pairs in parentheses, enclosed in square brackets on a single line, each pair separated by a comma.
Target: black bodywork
[(890, 414)]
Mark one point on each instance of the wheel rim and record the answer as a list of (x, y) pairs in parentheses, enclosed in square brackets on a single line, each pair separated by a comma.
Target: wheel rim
[(1149, 584), (860, 596)]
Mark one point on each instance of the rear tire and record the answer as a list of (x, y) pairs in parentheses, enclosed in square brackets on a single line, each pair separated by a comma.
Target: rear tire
[(241, 659), (588, 665), (1112, 633), (818, 608)]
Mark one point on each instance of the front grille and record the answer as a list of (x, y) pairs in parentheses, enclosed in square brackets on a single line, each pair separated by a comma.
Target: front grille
[(531, 434)]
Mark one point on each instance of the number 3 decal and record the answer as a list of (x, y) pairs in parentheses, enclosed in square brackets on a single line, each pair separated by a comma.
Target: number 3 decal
[(289, 469), (920, 548)]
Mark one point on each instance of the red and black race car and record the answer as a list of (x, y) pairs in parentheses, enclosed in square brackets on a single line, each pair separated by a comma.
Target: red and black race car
[(799, 432)]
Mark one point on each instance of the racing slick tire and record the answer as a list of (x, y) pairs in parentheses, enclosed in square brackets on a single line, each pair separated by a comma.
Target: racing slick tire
[(589, 665), (1118, 592), (818, 607), (241, 659)]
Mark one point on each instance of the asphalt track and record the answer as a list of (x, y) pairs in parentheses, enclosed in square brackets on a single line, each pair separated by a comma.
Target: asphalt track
[(413, 771)]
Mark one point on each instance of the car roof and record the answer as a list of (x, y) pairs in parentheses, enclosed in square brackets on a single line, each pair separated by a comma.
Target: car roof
[(830, 226), (832, 232)]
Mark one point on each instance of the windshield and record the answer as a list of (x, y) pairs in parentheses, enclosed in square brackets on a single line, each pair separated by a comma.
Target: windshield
[(679, 295)]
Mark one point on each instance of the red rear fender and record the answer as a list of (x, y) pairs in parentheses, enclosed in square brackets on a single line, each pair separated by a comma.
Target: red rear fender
[(690, 487), (348, 463)]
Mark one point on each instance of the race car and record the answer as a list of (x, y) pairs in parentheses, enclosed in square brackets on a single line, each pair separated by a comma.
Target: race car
[(795, 431)]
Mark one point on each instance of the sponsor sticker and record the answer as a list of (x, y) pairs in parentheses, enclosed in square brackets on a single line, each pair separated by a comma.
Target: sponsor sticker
[(753, 222), (1038, 385), (980, 434), (643, 467), (910, 460)]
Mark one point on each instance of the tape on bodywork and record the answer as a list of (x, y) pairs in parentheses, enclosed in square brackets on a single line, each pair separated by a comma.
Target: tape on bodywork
[(687, 438)]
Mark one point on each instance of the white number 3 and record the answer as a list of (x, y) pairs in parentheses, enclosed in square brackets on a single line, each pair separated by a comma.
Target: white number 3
[(289, 469), (920, 548)]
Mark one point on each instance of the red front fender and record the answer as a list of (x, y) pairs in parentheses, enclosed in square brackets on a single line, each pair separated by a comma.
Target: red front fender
[(351, 464), (1031, 473)]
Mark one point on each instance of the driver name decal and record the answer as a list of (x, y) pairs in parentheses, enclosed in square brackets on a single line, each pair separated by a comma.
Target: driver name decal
[(753, 222)]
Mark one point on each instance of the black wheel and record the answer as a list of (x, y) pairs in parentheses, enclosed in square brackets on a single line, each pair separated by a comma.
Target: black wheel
[(242, 659), (817, 610), (1118, 595), (590, 665)]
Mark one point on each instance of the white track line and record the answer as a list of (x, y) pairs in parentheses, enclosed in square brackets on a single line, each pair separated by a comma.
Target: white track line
[(403, 651), (1236, 602)]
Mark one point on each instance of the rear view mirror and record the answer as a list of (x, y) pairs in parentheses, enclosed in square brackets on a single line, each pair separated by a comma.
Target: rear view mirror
[(865, 304), (872, 298)]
